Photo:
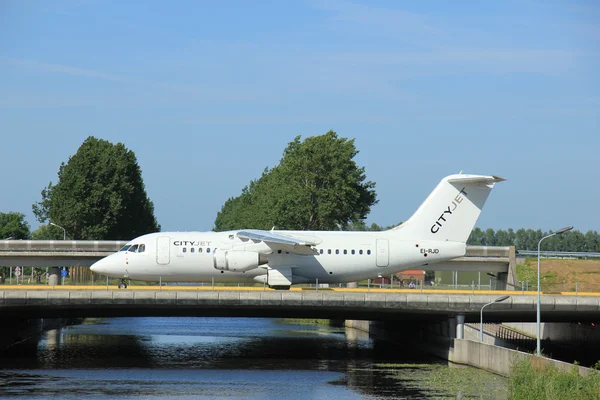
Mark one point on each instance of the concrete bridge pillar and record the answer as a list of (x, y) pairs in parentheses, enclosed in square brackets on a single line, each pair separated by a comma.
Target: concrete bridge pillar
[(460, 326), (451, 327), (54, 276)]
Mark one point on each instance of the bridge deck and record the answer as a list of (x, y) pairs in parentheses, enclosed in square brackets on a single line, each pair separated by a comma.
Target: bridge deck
[(331, 304)]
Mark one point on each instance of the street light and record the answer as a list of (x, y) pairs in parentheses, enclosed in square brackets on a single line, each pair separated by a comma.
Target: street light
[(64, 230), (498, 300), (537, 334)]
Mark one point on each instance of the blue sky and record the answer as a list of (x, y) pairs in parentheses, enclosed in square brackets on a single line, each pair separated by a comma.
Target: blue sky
[(208, 94)]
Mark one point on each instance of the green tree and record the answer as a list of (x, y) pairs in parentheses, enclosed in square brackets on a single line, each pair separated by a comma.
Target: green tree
[(14, 226), (316, 186), (477, 237), (374, 227), (47, 232), (100, 194), (592, 241)]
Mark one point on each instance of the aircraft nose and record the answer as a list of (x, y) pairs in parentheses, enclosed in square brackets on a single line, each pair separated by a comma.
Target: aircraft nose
[(99, 266)]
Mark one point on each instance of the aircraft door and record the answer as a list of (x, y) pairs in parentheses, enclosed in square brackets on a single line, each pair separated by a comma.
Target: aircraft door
[(383, 255), (162, 250)]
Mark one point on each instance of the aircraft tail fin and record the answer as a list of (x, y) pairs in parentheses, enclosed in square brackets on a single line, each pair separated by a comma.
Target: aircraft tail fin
[(450, 212)]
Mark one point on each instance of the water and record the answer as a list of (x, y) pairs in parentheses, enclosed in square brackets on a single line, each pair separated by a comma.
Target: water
[(227, 358)]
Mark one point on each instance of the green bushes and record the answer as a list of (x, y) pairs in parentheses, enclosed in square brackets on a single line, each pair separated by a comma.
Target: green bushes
[(534, 379)]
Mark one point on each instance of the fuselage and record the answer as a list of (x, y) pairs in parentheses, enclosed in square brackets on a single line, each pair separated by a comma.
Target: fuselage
[(338, 257)]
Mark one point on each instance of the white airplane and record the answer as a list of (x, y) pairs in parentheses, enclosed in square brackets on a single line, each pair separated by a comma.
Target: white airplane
[(436, 232)]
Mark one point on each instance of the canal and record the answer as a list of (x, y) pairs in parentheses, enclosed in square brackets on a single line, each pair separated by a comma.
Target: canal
[(227, 358)]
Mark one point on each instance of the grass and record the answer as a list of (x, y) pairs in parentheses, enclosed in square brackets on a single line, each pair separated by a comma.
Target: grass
[(532, 379), (444, 381), (528, 272)]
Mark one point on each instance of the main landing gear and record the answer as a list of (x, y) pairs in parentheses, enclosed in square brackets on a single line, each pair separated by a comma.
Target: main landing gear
[(123, 284)]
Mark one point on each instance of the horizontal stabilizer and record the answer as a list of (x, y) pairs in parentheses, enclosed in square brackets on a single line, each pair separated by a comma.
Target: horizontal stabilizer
[(474, 179)]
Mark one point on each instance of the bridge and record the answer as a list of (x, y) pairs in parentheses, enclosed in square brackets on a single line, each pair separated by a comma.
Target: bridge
[(46, 253), (353, 304)]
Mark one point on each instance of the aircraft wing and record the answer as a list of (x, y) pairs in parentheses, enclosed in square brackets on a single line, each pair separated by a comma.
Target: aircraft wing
[(296, 243)]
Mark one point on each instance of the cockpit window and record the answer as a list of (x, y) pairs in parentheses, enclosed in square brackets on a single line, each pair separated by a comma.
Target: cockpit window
[(133, 249), (142, 248), (125, 248)]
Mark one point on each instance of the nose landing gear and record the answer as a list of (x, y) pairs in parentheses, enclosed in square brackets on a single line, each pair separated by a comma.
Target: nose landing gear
[(123, 284)]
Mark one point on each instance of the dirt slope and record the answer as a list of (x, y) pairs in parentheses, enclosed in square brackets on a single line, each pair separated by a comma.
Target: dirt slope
[(561, 275)]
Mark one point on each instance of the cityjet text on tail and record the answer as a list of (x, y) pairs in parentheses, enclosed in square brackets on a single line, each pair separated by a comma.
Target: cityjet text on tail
[(436, 232)]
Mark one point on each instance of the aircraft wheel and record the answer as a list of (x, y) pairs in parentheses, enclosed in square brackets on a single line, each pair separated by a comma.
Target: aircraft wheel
[(122, 285)]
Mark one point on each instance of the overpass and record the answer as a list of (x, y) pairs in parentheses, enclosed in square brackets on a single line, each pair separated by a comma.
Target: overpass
[(47, 253), (351, 304)]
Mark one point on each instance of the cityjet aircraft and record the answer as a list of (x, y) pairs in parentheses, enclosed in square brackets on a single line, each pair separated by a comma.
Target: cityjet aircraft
[(437, 232)]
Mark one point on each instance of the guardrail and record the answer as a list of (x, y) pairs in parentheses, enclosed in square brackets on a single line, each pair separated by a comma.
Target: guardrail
[(559, 254), (62, 245), (487, 251)]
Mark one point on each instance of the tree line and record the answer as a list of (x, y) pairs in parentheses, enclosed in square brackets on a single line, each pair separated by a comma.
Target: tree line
[(528, 239)]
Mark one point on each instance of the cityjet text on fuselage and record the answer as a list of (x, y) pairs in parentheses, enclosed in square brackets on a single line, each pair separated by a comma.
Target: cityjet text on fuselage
[(191, 243)]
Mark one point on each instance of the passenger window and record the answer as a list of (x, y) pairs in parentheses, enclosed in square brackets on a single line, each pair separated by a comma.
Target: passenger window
[(352, 252), (200, 250), (360, 252), (208, 250), (337, 251), (142, 248), (192, 250), (345, 251), (184, 250), (368, 252), (321, 251), (133, 249), (329, 251)]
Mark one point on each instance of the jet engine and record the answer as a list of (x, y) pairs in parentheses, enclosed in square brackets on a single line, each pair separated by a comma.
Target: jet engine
[(238, 261)]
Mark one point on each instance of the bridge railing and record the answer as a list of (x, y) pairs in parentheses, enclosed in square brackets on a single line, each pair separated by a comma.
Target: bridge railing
[(558, 254), (487, 251), (62, 245)]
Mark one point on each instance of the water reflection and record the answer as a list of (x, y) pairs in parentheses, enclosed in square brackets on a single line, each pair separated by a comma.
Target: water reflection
[(209, 358)]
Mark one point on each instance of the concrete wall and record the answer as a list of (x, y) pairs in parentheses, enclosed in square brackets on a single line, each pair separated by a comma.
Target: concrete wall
[(572, 332), (498, 359), (357, 324), (494, 355)]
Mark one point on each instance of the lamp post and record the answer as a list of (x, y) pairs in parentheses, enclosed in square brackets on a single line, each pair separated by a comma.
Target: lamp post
[(498, 300), (538, 319), (64, 230)]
